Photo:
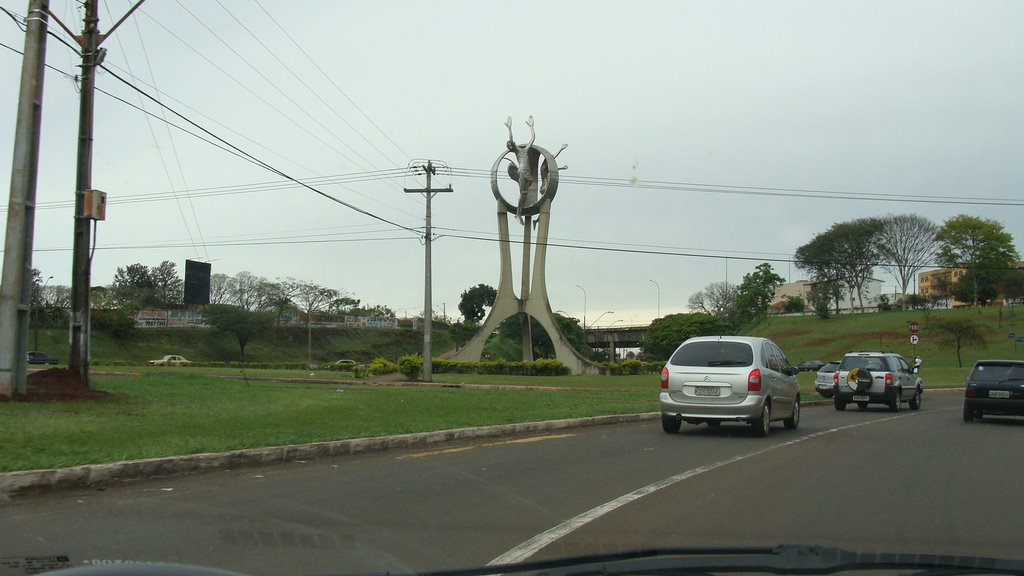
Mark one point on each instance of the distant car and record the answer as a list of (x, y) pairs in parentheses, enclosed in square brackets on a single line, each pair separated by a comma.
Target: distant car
[(40, 358), (810, 365), (344, 363), (715, 379), (876, 378), (824, 382), (170, 360), (994, 387)]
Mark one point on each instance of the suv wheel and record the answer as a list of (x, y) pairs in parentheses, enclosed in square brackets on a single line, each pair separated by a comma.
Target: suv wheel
[(670, 424), (763, 425), (894, 404), (915, 401), (968, 414), (840, 403)]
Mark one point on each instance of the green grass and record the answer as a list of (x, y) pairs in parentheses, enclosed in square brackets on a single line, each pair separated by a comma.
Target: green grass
[(171, 411), (182, 412)]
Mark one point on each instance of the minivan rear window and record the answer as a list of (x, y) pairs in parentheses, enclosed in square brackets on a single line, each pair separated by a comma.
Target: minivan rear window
[(718, 353)]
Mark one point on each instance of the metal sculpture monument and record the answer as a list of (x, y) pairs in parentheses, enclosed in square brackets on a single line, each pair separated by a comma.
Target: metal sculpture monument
[(535, 171)]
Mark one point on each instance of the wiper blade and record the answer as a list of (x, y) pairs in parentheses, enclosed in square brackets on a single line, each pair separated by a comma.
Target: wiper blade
[(777, 560)]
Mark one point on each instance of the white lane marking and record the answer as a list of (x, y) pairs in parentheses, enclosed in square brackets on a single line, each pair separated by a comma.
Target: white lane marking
[(533, 545)]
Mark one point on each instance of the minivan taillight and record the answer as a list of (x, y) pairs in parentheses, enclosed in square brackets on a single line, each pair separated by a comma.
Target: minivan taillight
[(664, 378), (888, 379), (754, 381)]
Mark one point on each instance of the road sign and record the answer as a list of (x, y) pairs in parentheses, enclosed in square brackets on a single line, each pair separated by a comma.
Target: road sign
[(914, 339), (914, 327)]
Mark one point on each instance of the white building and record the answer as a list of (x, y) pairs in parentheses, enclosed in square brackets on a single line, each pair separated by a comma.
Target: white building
[(870, 295)]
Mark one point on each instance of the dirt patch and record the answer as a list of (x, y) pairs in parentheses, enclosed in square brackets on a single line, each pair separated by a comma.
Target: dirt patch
[(56, 385)]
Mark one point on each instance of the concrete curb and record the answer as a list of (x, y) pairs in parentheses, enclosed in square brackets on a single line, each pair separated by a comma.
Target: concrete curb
[(27, 481)]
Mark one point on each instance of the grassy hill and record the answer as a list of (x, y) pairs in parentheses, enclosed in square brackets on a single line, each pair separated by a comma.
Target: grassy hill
[(280, 345), (801, 337)]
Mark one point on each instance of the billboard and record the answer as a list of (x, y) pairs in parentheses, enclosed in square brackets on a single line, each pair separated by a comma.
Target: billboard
[(197, 282)]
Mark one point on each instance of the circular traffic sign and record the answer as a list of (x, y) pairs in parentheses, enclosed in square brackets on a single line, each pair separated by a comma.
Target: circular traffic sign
[(914, 339)]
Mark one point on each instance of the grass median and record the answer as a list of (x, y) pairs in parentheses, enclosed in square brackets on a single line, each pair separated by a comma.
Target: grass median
[(164, 413)]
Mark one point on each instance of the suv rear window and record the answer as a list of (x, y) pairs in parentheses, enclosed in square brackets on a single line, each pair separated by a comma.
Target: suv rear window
[(870, 363), (994, 372), (720, 353)]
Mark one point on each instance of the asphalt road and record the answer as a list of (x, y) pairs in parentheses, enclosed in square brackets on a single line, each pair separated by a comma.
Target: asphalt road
[(865, 480)]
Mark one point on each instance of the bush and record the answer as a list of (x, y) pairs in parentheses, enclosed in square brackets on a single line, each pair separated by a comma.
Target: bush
[(382, 366), (411, 366)]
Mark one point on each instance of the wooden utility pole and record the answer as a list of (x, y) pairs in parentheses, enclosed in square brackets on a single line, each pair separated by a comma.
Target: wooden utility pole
[(16, 288), (428, 311)]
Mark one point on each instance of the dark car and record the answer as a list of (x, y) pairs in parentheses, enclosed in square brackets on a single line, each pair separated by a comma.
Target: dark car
[(810, 365), (36, 357), (995, 387)]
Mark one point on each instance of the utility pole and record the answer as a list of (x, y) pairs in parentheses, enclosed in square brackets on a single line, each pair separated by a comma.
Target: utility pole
[(428, 310), (81, 265), (81, 261), (16, 288)]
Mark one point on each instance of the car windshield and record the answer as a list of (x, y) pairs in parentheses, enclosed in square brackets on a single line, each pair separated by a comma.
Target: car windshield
[(713, 354), (391, 286)]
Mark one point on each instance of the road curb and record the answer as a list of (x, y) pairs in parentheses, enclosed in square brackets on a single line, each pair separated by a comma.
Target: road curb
[(29, 481)]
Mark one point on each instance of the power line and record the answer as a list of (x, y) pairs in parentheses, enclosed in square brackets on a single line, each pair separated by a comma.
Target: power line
[(332, 82), (822, 194), (256, 160)]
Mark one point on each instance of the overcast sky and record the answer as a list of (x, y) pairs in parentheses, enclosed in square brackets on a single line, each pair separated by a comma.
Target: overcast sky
[(719, 112)]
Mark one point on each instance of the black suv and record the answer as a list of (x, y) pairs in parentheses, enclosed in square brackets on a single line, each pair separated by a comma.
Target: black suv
[(876, 378)]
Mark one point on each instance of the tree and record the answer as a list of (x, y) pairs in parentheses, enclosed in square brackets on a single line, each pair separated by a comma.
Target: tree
[(821, 296), (819, 259), (959, 332), (756, 292), (220, 288), (668, 332), (717, 299), (906, 245), (981, 246), (1012, 287), (794, 305), (249, 292), (312, 298), (475, 300), (244, 324), (168, 287), (133, 287), (343, 305)]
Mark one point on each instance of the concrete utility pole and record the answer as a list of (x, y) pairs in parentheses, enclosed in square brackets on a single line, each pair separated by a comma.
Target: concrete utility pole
[(16, 288), (81, 267), (428, 310)]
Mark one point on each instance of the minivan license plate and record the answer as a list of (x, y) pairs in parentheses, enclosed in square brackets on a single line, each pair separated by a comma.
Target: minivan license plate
[(998, 393), (706, 391)]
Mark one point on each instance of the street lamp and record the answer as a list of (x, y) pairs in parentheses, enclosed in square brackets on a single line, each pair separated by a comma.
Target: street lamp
[(659, 297), (41, 291), (584, 306), (601, 316)]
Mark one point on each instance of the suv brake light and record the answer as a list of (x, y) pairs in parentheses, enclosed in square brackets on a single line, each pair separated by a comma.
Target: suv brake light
[(888, 379), (664, 378), (835, 378), (754, 380)]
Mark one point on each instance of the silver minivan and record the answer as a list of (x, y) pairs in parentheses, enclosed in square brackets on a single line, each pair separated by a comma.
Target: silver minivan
[(715, 379)]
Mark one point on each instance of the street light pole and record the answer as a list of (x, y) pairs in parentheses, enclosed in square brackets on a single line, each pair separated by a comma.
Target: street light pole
[(659, 297), (584, 306), (601, 316)]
